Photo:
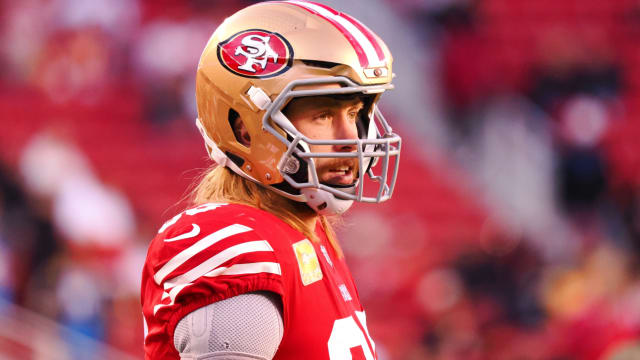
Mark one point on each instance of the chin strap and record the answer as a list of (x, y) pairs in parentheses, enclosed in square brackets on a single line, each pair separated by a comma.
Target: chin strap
[(325, 203)]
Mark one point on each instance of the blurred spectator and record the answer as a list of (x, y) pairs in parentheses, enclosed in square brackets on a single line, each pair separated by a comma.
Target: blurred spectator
[(25, 29), (582, 171), (27, 238), (6, 277), (570, 66), (47, 161), (85, 212), (505, 285), (81, 305), (465, 83), (165, 54), (631, 218)]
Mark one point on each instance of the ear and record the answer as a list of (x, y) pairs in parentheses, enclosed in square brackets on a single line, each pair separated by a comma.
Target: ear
[(241, 133)]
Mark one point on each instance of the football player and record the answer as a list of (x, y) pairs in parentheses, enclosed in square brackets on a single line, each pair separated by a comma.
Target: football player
[(286, 94)]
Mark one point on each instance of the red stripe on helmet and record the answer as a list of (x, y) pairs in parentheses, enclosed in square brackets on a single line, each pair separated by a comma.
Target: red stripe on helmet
[(369, 34), (365, 30), (362, 57)]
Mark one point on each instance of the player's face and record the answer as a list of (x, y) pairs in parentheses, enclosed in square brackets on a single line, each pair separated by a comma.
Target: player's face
[(329, 119)]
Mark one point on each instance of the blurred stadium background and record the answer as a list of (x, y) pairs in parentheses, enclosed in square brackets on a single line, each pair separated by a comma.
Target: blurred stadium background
[(514, 232)]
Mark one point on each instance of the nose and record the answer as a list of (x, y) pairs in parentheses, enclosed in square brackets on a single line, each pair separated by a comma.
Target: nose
[(345, 129)]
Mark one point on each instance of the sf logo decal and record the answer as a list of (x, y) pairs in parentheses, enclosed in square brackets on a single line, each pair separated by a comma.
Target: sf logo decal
[(256, 53)]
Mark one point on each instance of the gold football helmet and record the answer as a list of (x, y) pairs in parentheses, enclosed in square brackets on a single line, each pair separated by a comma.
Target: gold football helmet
[(263, 56)]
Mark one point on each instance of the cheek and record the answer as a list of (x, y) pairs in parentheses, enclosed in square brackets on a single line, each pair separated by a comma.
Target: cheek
[(316, 132), (320, 148), (319, 133)]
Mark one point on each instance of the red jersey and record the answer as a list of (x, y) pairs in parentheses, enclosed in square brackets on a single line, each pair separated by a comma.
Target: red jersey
[(216, 251)]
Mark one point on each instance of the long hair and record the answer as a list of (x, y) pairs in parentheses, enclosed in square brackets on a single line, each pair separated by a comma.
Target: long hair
[(220, 184)]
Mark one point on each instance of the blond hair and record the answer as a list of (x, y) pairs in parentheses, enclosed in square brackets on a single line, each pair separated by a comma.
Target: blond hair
[(220, 184)]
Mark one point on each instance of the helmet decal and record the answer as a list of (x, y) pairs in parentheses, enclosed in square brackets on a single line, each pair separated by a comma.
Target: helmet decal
[(359, 36), (256, 53)]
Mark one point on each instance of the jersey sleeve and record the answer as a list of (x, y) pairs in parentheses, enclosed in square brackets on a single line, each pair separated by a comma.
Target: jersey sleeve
[(199, 257)]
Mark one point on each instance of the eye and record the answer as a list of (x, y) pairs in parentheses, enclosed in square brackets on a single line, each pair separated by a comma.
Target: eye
[(353, 113), (325, 115)]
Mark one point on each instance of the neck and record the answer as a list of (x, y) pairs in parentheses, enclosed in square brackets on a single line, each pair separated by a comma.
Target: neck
[(303, 211), (220, 184), (311, 221)]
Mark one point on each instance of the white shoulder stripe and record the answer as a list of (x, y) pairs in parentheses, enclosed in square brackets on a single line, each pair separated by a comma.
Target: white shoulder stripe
[(202, 244), (213, 262), (243, 269), (237, 269), (172, 294), (368, 48)]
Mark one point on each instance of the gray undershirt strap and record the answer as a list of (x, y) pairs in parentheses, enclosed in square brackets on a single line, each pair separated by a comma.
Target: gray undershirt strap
[(243, 327)]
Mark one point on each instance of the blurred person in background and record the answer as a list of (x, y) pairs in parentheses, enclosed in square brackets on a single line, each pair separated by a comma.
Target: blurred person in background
[(286, 95)]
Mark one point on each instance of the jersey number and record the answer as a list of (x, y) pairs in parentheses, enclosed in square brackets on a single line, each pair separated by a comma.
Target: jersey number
[(346, 334)]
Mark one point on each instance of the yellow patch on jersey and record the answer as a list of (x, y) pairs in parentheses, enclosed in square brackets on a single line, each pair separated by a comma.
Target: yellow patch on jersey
[(307, 262)]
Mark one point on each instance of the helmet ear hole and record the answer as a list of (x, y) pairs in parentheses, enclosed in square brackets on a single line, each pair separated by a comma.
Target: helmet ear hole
[(239, 129)]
